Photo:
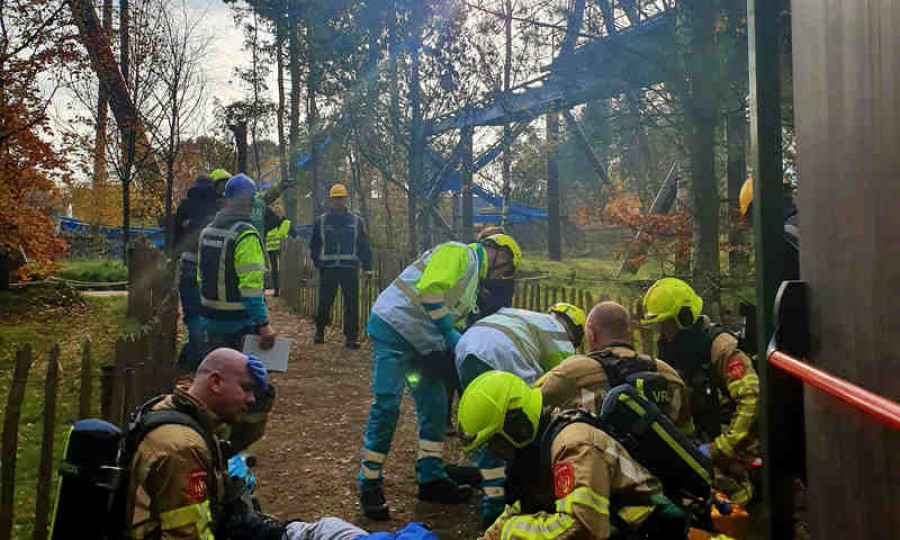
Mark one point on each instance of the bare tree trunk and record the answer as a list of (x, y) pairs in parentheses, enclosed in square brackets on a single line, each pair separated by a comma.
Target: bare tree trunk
[(294, 134), (554, 244), (507, 76), (416, 145), (254, 118), (279, 116), (312, 111), (100, 178), (362, 192), (703, 110), (240, 141), (128, 135), (736, 135)]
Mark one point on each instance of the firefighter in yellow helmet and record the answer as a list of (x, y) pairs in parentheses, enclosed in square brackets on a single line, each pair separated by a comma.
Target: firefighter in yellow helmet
[(791, 235), (582, 381), (716, 371), (566, 477), (526, 344)]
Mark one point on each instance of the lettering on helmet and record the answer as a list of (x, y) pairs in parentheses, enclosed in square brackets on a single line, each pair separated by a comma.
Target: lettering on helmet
[(563, 479), (196, 487), (735, 366)]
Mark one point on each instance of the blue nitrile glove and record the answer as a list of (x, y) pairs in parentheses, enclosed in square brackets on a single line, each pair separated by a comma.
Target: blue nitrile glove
[(258, 372), (704, 449), (238, 468)]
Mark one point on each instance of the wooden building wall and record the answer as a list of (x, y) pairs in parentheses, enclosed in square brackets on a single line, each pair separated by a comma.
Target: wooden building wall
[(847, 102)]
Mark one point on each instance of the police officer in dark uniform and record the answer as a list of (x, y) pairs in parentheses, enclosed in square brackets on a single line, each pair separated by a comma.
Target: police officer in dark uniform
[(339, 244)]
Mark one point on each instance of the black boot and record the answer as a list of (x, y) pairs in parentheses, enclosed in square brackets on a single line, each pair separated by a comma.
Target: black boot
[(464, 474), (444, 490), (320, 335), (371, 499)]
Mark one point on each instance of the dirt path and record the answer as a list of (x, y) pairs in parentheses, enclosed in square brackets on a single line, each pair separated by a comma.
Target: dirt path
[(309, 458)]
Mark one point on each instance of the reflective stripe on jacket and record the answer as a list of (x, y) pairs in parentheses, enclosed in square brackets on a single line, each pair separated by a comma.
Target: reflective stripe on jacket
[(273, 238), (588, 469), (231, 268), (524, 343), (340, 241), (438, 289)]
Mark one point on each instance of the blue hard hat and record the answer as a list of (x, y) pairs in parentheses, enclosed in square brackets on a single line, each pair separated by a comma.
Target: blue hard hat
[(240, 186)]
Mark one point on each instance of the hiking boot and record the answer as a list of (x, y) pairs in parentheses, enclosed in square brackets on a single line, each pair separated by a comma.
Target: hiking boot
[(371, 499), (352, 344), (445, 491), (464, 475), (320, 336)]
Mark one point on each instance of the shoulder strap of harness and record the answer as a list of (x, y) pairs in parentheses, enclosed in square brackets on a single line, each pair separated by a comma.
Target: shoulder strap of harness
[(144, 419), (562, 421), (618, 368)]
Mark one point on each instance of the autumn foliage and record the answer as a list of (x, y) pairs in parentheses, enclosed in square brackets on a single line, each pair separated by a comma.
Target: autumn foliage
[(34, 43), (664, 233)]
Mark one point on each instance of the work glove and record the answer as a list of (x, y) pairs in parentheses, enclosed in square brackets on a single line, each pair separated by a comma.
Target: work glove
[(258, 372), (704, 449), (238, 468)]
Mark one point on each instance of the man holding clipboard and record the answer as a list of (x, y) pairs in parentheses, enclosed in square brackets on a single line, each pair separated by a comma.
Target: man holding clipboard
[(231, 269)]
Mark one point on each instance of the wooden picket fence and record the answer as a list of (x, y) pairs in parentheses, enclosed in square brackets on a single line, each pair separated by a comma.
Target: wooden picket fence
[(299, 290), (143, 367)]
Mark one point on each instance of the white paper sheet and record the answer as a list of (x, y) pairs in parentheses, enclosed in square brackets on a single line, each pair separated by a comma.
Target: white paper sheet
[(276, 358)]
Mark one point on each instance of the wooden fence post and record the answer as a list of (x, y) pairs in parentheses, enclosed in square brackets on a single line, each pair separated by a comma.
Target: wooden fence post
[(46, 463), (11, 440), (589, 301), (106, 392), (128, 391), (84, 394), (117, 394)]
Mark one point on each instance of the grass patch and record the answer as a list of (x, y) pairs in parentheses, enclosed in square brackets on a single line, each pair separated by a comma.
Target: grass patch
[(93, 270), (47, 320)]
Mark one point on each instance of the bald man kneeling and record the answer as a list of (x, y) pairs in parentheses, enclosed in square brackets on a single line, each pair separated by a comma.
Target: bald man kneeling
[(581, 382), (179, 485)]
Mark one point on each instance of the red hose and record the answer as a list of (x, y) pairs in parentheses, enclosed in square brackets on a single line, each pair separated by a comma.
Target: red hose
[(885, 410)]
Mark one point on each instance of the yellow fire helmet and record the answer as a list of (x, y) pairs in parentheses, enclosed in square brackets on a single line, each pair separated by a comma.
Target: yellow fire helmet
[(573, 312), (220, 174), (339, 190), (507, 241), (671, 298), (499, 403), (746, 195)]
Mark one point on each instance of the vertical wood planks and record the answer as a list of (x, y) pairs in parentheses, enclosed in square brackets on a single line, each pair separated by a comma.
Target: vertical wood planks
[(45, 465), (11, 440), (84, 392)]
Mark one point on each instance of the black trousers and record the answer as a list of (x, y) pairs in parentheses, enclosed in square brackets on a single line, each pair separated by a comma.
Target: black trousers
[(329, 281), (273, 263)]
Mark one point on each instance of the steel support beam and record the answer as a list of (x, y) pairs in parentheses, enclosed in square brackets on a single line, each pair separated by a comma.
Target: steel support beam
[(595, 162), (765, 120)]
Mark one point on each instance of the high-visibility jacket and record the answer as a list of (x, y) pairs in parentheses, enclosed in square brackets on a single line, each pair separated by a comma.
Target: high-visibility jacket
[(169, 493), (274, 236), (524, 343), (432, 295), (340, 240), (230, 270), (570, 497)]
